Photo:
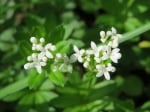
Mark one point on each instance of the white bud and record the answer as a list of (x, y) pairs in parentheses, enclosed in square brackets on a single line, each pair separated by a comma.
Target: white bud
[(86, 64), (42, 40), (29, 58), (102, 34), (33, 40), (109, 33), (27, 66), (113, 30)]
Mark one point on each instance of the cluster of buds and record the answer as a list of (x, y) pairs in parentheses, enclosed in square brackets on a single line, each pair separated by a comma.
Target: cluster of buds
[(99, 58), (41, 54)]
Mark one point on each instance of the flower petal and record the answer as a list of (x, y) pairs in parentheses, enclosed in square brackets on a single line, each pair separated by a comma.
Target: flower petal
[(107, 75)]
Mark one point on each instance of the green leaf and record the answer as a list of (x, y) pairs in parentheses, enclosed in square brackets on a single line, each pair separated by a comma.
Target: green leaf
[(12, 88), (25, 48), (44, 96), (63, 46), (146, 105), (14, 96), (56, 35), (57, 78), (102, 89), (27, 99), (38, 31), (35, 80)]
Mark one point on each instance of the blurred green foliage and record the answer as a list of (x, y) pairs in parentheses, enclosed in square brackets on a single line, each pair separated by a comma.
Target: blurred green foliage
[(64, 23)]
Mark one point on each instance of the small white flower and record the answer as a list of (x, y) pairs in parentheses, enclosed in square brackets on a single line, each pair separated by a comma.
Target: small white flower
[(36, 62), (115, 55), (66, 65), (95, 49), (104, 70), (78, 53)]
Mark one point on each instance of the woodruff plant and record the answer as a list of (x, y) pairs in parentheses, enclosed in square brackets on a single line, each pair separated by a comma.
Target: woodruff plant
[(97, 59)]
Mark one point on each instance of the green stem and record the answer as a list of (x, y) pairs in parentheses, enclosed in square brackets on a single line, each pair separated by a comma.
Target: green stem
[(135, 33)]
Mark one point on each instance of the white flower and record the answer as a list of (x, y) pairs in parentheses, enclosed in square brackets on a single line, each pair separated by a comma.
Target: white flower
[(36, 62), (63, 64), (115, 55), (95, 49), (104, 70), (78, 53), (115, 38)]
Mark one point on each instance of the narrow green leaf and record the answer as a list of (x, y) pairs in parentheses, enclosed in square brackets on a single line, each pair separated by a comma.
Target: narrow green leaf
[(57, 78), (56, 35), (35, 80), (12, 88), (25, 48), (135, 33)]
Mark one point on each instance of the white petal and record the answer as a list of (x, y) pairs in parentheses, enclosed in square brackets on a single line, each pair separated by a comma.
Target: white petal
[(73, 58), (107, 75), (39, 69), (93, 45), (34, 56), (49, 54), (44, 59), (39, 47), (113, 30), (102, 34), (75, 48), (97, 59), (42, 64), (99, 74), (115, 43), (69, 68), (41, 55), (111, 68), (27, 66), (116, 50), (53, 48), (80, 59)]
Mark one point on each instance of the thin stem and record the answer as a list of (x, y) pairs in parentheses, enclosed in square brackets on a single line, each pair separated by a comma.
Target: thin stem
[(135, 33)]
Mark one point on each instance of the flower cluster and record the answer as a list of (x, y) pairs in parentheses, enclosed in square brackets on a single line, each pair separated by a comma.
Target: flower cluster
[(41, 54), (99, 58)]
